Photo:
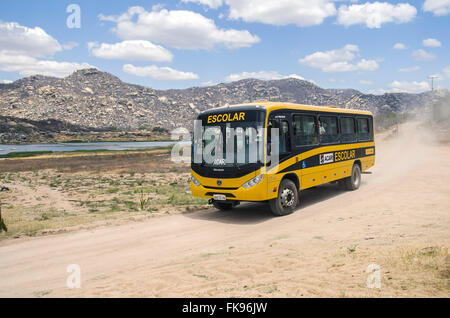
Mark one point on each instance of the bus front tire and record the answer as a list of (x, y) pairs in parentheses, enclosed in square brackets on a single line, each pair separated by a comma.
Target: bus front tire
[(223, 206), (354, 181), (287, 199)]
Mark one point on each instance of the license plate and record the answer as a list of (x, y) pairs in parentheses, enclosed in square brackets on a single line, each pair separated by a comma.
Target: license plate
[(219, 197)]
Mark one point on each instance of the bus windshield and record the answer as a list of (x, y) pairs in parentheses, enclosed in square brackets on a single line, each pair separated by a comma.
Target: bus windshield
[(229, 139)]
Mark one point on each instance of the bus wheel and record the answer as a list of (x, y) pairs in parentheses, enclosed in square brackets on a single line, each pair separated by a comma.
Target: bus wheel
[(223, 206), (354, 181), (287, 199)]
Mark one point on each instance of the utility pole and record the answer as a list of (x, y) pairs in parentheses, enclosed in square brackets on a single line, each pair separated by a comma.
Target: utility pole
[(432, 78)]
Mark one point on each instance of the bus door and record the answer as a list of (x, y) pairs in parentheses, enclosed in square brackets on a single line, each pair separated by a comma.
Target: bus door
[(305, 139), (282, 123)]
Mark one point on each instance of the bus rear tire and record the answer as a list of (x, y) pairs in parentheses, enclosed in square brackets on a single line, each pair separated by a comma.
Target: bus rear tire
[(223, 206), (353, 182), (287, 199)]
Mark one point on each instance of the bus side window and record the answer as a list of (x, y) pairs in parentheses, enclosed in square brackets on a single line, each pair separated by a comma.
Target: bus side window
[(363, 129), (348, 131), (305, 132), (328, 129)]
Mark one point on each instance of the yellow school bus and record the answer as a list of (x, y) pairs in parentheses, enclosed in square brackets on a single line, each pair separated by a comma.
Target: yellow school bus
[(299, 147)]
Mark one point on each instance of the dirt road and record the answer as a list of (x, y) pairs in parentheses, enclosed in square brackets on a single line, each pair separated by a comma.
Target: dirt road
[(399, 220)]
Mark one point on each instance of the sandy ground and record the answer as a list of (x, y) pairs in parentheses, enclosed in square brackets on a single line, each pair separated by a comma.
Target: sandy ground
[(399, 220)]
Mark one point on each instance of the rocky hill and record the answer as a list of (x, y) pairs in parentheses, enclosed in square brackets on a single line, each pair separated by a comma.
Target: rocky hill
[(99, 100)]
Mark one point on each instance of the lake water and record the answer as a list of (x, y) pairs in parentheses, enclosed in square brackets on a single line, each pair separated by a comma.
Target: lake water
[(5, 149)]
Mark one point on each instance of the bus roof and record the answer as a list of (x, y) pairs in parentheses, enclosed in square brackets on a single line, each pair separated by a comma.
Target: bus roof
[(270, 106)]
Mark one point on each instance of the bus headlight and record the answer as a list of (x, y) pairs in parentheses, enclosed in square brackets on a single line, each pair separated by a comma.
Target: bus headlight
[(253, 182), (195, 181)]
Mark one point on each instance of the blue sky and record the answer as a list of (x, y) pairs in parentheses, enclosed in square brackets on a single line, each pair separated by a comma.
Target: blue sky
[(370, 46)]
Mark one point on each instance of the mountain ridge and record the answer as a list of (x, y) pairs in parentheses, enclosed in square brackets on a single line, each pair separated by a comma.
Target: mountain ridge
[(96, 99)]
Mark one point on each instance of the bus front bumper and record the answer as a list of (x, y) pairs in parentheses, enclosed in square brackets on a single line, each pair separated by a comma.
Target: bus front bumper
[(232, 193)]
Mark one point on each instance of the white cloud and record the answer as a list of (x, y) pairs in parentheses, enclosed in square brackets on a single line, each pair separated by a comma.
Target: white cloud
[(340, 60), (447, 71), (22, 50), (159, 73), (422, 55), (378, 91), (438, 7), (28, 65), (158, 6), (413, 87), (364, 82), (409, 87), (134, 50), (409, 69), (30, 41), (71, 45), (262, 75), (208, 83), (373, 15), (431, 43), (400, 46), (213, 4), (5, 82), (180, 29), (282, 12)]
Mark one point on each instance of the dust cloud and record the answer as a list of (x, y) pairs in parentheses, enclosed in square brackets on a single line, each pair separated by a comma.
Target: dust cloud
[(402, 150)]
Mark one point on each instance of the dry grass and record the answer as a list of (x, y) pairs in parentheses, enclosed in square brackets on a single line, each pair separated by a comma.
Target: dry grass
[(412, 270), (111, 187), (427, 267)]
